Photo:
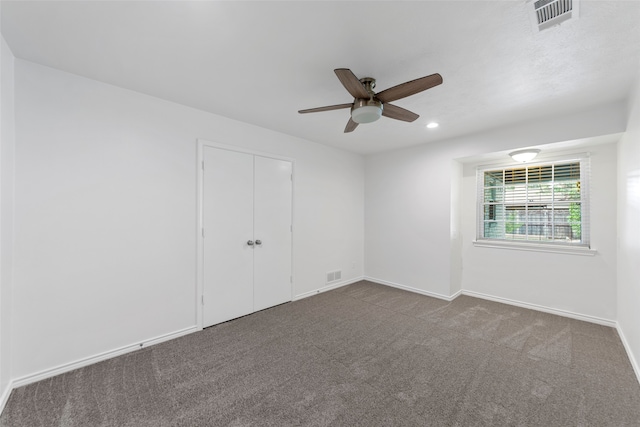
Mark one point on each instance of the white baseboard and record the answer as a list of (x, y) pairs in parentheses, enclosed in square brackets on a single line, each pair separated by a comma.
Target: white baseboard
[(415, 290), (559, 312), (52, 372), (4, 398), (327, 288), (564, 313), (627, 347)]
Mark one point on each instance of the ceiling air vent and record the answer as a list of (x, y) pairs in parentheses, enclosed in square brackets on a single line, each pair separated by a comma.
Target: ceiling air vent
[(548, 13)]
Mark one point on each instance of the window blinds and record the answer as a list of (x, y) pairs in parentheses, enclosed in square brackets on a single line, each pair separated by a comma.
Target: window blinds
[(544, 203)]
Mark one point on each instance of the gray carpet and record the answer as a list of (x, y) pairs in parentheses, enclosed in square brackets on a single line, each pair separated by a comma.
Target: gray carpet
[(361, 355)]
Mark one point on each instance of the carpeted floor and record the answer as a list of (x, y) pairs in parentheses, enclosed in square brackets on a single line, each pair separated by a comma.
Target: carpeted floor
[(361, 355)]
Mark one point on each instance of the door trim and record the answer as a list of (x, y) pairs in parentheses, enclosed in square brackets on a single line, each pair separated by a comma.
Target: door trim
[(201, 144)]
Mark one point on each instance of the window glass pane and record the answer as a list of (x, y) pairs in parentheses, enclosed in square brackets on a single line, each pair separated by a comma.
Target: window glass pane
[(568, 171), (539, 225), (515, 222), (515, 194), (539, 214), (494, 212), (540, 193), (539, 230), (514, 227), (493, 230), (495, 194), (567, 190), (563, 232), (515, 176), (517, 232), (493, 178), (539, 220), (516, 213), (540, 174), (575, 220), (561, 213)]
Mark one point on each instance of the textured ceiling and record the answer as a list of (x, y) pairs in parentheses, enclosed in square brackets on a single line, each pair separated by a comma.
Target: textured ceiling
[(260, 62)]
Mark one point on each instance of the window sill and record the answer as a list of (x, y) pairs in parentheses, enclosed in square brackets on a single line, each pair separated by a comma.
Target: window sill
[(536, 247)]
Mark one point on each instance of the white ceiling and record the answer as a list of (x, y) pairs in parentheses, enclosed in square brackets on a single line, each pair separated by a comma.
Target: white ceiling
[(260, 62)]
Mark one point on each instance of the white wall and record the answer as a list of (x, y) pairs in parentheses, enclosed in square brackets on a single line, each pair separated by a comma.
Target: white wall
[(455, 225), (6, 213), (105, 209), (407, 214), (629, 231), (584, 285), (409, 239)]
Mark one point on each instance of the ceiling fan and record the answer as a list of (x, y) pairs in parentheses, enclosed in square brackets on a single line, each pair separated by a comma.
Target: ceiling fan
[(368, 106)]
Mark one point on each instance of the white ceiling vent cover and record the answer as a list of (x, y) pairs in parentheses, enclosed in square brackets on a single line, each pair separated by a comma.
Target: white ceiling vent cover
[(547, 13)]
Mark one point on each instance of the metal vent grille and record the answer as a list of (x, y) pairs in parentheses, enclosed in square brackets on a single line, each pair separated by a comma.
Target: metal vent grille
[(553, 12), (334, 276)]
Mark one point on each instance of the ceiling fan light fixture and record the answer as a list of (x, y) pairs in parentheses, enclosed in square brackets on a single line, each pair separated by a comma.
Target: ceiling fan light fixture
[(524, 156), (432, 125), (369, 106), (366, 111)]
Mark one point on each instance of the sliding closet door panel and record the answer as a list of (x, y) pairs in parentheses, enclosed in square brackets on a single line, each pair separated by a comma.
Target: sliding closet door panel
[(272, 227), (228, 226)]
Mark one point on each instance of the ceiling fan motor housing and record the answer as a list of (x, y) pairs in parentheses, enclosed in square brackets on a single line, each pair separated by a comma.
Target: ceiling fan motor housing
[(366, 110)]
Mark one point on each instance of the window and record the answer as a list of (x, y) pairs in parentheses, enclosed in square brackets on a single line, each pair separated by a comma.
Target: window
[(542, 203)]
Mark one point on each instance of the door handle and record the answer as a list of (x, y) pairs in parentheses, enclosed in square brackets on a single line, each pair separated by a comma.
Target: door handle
[(258, 242), (250, 242)]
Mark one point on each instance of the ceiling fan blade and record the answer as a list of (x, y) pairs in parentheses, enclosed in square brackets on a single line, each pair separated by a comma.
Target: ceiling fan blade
[(398, 113), (351, 126), (327, 108), (409, 88), (351, 83)]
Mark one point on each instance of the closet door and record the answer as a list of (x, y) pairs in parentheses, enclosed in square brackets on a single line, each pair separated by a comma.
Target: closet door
[(228, 226), (272, 229)]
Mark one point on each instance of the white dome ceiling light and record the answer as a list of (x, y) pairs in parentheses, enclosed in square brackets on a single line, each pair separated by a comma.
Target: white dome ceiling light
[(524, 156)]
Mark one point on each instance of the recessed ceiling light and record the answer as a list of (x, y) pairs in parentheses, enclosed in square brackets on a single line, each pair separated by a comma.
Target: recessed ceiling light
[(433, 125)]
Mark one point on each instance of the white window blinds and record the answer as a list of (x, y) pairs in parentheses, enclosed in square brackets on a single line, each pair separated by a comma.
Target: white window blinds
[(543, 203)]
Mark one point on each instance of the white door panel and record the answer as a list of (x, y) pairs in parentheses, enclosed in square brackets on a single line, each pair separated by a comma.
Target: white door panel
[(272, 227), (228, 225)]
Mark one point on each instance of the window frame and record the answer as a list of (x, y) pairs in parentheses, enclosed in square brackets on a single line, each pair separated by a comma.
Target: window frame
[(582, 248)]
